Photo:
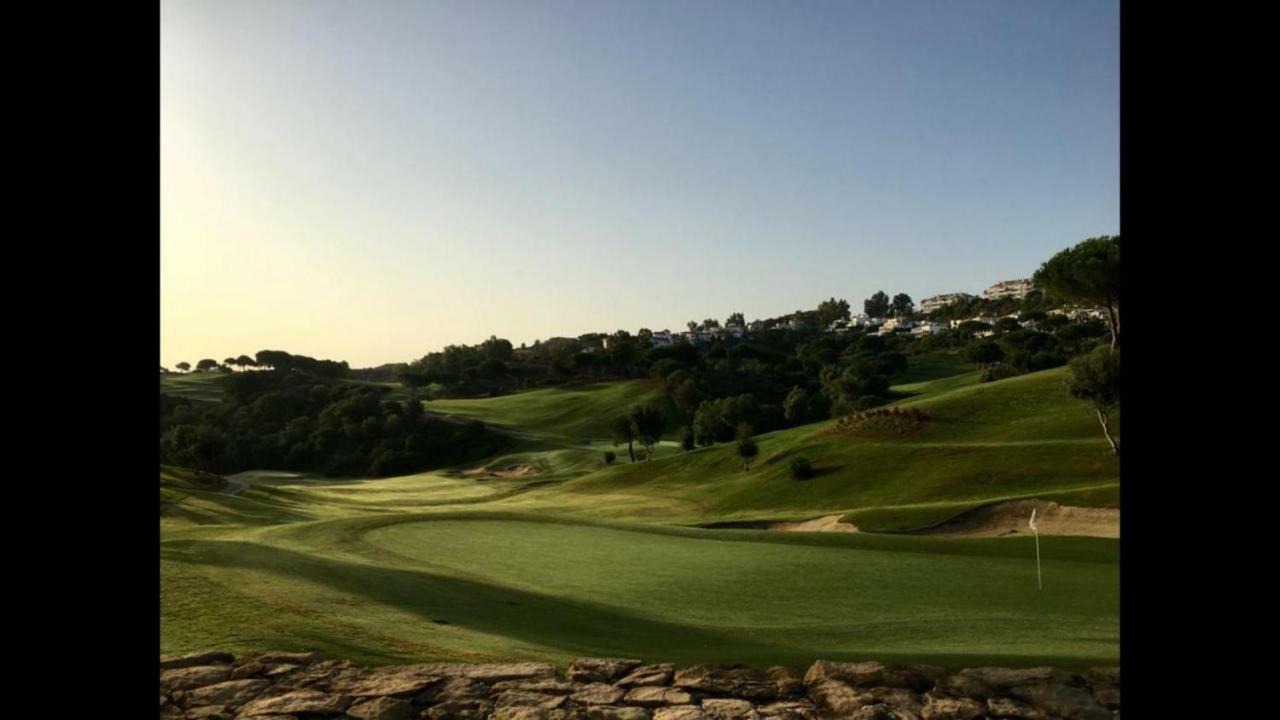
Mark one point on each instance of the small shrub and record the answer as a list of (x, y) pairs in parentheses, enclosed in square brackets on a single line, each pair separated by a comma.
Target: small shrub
[(609, 457), (999, 372), (801, 468)]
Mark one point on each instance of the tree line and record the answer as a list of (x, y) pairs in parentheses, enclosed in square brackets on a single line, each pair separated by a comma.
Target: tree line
[(296, 417)]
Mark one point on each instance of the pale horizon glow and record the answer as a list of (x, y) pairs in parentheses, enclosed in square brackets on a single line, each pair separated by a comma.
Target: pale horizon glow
[(370, 182)]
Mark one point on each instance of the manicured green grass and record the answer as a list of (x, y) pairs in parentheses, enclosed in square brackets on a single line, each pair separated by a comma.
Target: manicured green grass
[(584, 559), (406, 587), (577, 413), (194, 386), (934, 365), (989, 442)]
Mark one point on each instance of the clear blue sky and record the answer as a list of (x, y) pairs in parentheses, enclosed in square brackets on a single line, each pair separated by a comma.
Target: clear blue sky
[(372, 181)]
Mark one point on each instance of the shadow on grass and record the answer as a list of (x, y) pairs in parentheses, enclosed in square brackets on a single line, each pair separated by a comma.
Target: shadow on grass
[(213, 508), (571, 625), (563, 625)]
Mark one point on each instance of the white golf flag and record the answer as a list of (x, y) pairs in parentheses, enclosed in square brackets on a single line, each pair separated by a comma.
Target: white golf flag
[(1032, 523)]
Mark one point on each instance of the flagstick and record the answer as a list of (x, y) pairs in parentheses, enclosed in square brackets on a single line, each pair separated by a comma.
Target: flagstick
[(1039, 582), (1036, 529)]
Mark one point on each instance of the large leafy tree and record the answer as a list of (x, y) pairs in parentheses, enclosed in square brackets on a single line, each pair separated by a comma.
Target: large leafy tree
[(983, 353), (1096, 377), (622, 432), (1088, 273), (206, 364), (903, 305), (183, 366), (796, 406), (877, 305), (832, 310), (648, 422), (736, 319), (413, 376)]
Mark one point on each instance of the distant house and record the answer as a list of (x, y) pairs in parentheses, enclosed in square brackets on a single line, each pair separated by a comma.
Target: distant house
[(1009, 288), (894, 325), (662, 338), (733, 330), (756, 325), (937, 302), (929, 328)]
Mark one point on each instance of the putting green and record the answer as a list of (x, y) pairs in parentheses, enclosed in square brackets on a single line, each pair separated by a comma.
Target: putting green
[(496, 585)]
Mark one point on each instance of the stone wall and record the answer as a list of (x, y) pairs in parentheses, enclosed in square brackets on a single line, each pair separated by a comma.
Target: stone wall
[(303, 685)]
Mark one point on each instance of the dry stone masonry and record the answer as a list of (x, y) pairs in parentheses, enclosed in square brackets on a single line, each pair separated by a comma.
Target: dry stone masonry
[(276, 686)]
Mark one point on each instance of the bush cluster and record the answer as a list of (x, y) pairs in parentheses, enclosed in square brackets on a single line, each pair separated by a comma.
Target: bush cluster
[(884, 421), (801, 468)]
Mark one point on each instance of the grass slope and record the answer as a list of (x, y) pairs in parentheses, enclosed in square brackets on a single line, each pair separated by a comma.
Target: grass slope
[(583, 559), (394, 588), (1019, 437), (196, 386), (575, 414)]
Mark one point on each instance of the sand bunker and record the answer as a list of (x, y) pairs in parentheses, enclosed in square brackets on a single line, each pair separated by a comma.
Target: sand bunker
[(826, 523), (1010, 518), (512, 471)]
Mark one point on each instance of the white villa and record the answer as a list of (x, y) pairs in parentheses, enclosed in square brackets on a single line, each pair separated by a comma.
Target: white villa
[(938, 302), (1009, 288)]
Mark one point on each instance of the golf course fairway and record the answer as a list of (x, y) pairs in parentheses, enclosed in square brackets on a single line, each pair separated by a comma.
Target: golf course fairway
[(455, 585)]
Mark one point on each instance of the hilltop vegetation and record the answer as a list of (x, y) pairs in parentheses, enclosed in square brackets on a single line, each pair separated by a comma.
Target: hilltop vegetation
[(294, 420)]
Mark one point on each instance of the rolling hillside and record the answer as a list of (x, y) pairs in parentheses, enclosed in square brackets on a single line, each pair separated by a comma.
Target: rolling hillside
[(577, 413), (487, 562)]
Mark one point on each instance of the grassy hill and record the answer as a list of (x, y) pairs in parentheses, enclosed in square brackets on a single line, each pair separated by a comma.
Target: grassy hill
[(574, 558), (1016, 438), (577, 413), (195, 386)]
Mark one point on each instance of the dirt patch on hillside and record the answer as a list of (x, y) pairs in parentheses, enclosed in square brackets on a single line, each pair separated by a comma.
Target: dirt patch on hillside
[(510, 471), (1010, 518)]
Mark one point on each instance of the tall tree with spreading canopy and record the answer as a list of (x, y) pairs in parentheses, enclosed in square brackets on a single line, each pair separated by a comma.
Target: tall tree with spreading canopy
[(877, 305), (1096, 377), (903, 305), (736, 319), (183, 366), (795, 408), (832, 310), (1088, 273), (413, 377), (622, 432), (245, 361), (648, 422), (206, 364)]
